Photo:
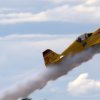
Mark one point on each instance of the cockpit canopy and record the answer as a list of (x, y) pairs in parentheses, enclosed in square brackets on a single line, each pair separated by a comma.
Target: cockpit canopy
[(83, 37)]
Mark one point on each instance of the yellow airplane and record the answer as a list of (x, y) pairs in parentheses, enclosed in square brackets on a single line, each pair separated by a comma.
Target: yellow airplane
[(80, 44)]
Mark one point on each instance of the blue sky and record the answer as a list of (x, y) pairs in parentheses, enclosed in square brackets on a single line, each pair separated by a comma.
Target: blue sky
[(27, 29)]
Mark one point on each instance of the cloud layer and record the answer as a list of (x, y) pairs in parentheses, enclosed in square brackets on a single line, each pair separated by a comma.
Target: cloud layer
[(79, 12)]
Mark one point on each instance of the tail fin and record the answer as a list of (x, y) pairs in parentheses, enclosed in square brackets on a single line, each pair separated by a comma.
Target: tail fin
[(49, 56)]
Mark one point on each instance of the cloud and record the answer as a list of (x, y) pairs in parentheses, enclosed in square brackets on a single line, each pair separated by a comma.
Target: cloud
[(74, 2), (30, 36), (83, 85), (81, 13), (33, 37), (81, 10), (18, 3), (12, 18), (90, 2)]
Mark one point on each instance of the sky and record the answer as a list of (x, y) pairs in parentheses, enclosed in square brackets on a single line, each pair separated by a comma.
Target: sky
[(48, 16), (27, 28)]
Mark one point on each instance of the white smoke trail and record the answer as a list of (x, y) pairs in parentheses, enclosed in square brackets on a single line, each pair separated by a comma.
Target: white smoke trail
[(51, 73)]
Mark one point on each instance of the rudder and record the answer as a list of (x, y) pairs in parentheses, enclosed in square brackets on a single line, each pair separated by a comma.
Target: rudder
[(49, 56)]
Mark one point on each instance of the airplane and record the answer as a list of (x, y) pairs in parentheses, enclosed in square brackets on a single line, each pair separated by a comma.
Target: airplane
[(80, 44)]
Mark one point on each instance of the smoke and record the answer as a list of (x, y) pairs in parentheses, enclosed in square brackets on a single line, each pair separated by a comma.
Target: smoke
[(49, 74)]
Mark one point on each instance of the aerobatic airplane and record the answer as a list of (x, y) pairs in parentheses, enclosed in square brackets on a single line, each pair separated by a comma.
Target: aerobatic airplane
[(80, 44)]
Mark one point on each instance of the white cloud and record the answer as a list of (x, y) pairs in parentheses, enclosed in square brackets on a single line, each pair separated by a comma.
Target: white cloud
[(29, 36), (83, 85), (81, 11), (11, 18), (75, 2), (18, 3), (90, 2), (77, 13)]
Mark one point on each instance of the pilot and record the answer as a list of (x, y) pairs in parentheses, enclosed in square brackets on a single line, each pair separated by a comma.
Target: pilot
[(82, 38)]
